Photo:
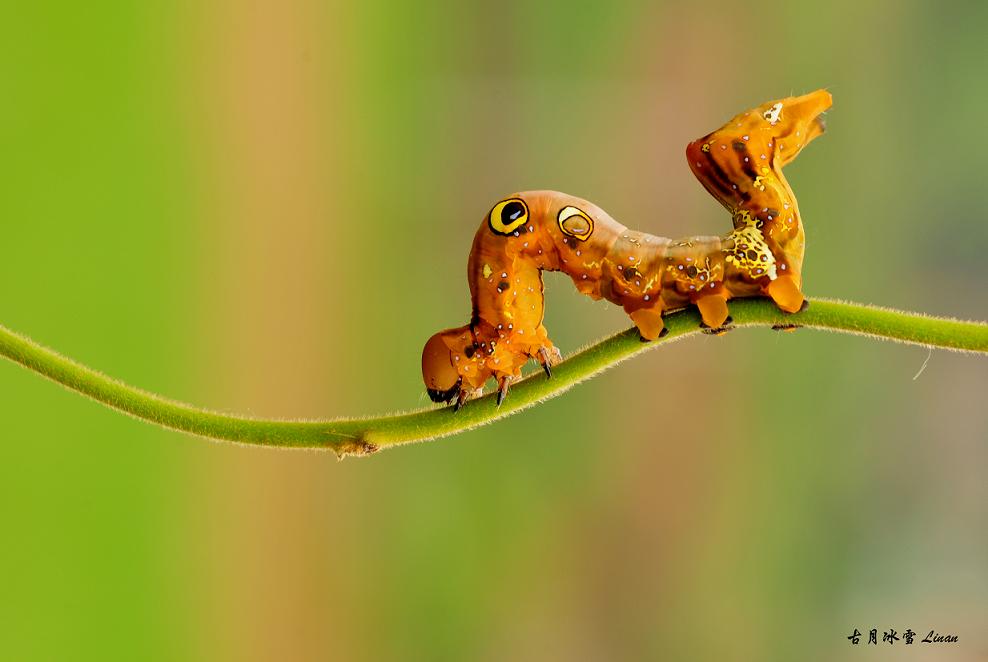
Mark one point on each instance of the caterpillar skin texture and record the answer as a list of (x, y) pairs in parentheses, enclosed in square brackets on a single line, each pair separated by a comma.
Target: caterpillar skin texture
[(527, 233)]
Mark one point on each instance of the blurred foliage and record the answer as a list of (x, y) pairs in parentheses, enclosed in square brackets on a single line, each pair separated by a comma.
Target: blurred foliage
[(187, 185)]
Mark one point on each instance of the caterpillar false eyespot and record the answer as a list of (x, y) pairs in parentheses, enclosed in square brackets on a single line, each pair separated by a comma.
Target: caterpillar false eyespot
[(575, 223), (507, 216), (527, 233)]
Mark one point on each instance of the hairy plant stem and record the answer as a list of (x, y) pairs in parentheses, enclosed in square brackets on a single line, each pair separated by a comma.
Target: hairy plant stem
[(358, 436)]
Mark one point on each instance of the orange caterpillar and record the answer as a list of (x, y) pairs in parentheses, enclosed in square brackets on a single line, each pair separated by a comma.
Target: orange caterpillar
[(535, 231)]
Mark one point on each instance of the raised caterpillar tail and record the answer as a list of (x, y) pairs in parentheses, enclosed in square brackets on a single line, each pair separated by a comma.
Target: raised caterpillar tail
[(778, 129), (802, 121)]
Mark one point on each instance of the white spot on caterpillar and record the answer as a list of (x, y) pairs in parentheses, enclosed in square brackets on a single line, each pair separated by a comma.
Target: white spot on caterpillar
[(772, 114), (647, 297)]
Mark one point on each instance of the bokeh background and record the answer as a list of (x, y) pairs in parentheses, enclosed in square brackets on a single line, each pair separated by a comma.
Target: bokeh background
[(266, 207)]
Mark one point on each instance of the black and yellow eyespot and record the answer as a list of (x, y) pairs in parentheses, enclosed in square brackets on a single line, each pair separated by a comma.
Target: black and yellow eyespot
[(575, 223), (508, 215)]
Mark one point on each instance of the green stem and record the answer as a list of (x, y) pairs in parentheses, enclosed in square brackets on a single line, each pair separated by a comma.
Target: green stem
[(351, 436)]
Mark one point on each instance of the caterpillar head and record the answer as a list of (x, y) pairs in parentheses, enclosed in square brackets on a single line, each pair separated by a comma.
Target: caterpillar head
[(449, 359)]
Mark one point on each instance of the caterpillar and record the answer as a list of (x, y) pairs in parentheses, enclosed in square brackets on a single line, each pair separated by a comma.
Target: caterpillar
[(530, 232)]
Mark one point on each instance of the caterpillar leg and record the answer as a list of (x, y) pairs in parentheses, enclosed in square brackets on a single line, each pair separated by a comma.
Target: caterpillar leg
[(713, 310), (502, 389), (786, 295), (649, 322), (548, 357), (461, 398)]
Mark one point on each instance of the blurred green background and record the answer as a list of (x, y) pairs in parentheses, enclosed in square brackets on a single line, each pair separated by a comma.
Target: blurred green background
[(266, 207)]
